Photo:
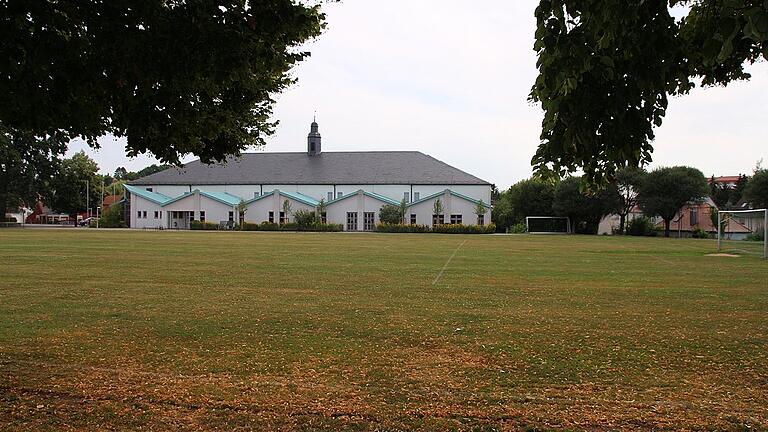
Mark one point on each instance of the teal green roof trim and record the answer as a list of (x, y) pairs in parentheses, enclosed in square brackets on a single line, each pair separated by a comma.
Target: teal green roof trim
[(254, 199), (300, 197), (222, 197), (155, 197)]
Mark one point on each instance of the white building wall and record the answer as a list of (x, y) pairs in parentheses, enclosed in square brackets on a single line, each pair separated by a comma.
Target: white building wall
[(139, 204), (359, 203), (258, 211), (451, 205)]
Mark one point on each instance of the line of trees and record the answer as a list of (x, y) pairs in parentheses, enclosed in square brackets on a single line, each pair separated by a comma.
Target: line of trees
[(660, 193)]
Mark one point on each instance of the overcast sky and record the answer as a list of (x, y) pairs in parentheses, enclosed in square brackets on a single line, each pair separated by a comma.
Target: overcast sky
[(451, 79)]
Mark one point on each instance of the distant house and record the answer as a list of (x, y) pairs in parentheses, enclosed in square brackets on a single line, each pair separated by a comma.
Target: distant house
[(729, 181), (697, 215), (111, 199)]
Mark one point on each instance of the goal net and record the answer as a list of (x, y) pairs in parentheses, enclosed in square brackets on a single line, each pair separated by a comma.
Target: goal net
[(547, 225), (743, 232)]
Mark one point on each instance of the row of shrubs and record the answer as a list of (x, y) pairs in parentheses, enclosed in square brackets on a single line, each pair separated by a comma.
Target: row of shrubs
[(270, 226), (440, 229), (292, 226)]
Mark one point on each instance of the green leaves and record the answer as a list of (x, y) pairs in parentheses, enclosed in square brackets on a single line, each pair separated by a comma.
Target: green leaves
[(606, 68), (176, 77)]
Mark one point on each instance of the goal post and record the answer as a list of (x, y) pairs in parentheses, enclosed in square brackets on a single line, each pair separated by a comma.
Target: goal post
[(744, 231), (547, 225)]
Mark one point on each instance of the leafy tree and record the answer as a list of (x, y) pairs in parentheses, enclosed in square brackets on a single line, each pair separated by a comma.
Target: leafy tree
[(531, 197), (391, 214), (584, 209), (174, 77), (501, 214), (305, 218), (756, 192), (403, 208), (112, 217), (27, 166), (665, 191), (480, 209), (286, 209), (77, 175), (738, 190), (607, 67), (121, 174), (437, 207), (627, 181), (321, 208), (242, 208), (720, 193)]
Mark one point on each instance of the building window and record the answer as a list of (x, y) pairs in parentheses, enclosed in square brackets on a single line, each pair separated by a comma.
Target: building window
[(368, 221), (324, 217), (144, 216), (481, 220), (694, 216), (415, 196), (351, 221), (455, 219), (256, 194), (339, 194), (202, 216), (413, 218), (231, 216), (138, 214), (438, 219), (283, 218), (155, 214), (191, 217), (330, 196), (271, 217), (149, 189), (407, 196)]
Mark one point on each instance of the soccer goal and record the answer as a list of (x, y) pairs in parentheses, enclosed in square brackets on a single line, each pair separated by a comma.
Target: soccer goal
[(547, 225), (743, 232)]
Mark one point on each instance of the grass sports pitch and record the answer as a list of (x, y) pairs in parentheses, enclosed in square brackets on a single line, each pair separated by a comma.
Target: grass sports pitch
[(124, 330)]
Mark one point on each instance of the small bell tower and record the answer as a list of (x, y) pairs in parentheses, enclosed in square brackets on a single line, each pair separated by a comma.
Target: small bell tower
[(313, 139)]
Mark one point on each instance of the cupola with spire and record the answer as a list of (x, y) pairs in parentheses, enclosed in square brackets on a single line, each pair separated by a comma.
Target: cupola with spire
[(313, 140)]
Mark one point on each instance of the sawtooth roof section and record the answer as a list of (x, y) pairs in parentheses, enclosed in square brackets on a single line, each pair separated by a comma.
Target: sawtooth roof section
[(375, 167)]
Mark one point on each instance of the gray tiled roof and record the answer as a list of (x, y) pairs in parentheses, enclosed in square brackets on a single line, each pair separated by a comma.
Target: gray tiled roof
[(376, 167)]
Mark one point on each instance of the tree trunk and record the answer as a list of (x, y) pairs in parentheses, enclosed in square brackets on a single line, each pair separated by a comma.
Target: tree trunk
[(3, 206), (622, 222), (666, 227)]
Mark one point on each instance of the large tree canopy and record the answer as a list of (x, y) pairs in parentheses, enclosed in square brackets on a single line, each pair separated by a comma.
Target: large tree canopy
[(173, 76), (664, 191), (28, 164), (606, 68), (756, 191)]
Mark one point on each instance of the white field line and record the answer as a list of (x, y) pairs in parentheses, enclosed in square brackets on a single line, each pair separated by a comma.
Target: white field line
[(442, 270)]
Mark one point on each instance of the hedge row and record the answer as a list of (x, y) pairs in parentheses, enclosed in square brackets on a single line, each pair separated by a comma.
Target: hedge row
[(292, 226), (440, 229)]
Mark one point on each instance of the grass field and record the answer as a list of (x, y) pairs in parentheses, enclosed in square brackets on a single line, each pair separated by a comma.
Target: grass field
[(124, 330)]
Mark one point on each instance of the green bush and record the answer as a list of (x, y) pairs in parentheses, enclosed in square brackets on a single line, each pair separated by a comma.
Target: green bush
[(305, 218), (518, 228), (203, 226), (391, 214), (440, 229), (641, 226), (269, 226), (464, 229), (249, 226), (699, 233), (112, 217), (758, 236), (401, 228), (322, 227)]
